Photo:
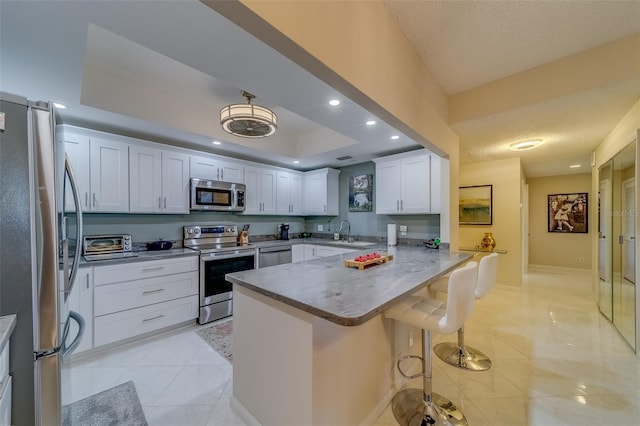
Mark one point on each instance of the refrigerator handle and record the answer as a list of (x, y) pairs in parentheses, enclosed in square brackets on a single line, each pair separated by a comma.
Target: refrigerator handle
[(76, 201), (68, 350)]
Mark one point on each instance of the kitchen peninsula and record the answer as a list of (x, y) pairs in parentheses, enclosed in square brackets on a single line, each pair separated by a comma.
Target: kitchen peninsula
[(310, 346)]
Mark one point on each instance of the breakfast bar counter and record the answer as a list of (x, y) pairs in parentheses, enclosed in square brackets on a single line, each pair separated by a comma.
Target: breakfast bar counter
[(310, 343)]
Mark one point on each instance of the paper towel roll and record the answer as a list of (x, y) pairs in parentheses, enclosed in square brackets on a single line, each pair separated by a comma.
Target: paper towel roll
[(391, 234)]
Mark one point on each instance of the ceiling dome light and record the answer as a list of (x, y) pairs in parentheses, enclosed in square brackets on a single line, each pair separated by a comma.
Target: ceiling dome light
[(296, 162), (334, 102), (370, 123), (217, 143), (248, 120), (525, 145), (395, 137), (575, 166), (59, 105)]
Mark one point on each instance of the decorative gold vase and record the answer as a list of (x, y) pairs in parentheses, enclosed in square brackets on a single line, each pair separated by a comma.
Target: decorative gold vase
[(488, 242)]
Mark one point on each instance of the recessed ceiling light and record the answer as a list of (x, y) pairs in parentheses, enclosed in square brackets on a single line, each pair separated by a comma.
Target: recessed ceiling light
[(61, 106), (525, 145), (395, 137), (296, 162), (575, 166), (334, 102), (217, 143), (370, 123)]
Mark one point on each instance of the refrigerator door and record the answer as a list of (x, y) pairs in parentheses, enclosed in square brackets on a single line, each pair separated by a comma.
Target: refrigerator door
[(46, 315)]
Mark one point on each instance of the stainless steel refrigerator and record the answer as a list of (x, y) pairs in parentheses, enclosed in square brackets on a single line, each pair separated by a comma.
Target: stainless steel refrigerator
[(34, 254)]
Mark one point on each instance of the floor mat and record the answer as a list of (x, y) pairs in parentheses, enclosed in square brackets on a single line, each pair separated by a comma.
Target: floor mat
[(117, 406), (218, 336)]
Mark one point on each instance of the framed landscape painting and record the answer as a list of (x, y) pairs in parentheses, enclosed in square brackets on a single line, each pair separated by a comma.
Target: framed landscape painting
[(475, 206), (567, 213)]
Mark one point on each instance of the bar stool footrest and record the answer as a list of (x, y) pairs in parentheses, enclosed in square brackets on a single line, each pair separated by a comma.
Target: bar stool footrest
[(465, 358), (410, 409)]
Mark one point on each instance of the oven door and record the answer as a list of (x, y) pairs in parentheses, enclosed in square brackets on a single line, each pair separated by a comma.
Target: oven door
[(213, 268)]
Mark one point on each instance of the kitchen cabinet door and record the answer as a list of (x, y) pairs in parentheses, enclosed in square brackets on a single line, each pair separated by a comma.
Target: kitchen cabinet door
[(297, 253), (289, 193), (175, 182), (77, 149), (109, 176), (80, 300), (320, 192), (145, 174), (261, 191), (388, 183), (414, 187), (216, 169)]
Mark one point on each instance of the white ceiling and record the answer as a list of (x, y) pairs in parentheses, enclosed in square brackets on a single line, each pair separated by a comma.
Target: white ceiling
[(162, 70)]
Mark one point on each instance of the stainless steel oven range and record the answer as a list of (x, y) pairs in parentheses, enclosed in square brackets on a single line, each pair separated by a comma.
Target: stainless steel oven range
[(220, 254)]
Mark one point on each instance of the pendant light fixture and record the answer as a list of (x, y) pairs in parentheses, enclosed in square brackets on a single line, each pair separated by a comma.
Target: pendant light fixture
[(248, 120)]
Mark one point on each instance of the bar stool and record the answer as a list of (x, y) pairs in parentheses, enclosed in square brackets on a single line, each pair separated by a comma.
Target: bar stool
[(423, 406), (457, 354)]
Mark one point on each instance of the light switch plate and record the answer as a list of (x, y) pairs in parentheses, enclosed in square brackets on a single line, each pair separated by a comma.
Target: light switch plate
[(2, 121), (403, 228), (320, 228)]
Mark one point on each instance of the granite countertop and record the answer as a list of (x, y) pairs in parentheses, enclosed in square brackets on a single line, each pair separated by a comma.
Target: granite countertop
[(7, 324), (347, 296), (358, 245), (142, 256)]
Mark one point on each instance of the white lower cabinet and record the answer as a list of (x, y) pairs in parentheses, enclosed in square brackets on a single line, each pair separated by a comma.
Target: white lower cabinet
[(122, 325), (297, 253), (136, 298)]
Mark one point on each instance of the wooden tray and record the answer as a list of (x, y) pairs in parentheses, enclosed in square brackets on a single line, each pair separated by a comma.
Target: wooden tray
[(362, 265)]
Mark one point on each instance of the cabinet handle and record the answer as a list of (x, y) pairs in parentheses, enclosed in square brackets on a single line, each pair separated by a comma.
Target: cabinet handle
[(397, 205), (86, 199), (94, 199), (165, 202), (221, 174), (153, 318), (401, 205), (158, 290), (87, 281), (325, 208), (159, 268), (159, 202)]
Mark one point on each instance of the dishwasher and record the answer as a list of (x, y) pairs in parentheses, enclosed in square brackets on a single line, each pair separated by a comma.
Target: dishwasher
[(271, 256)]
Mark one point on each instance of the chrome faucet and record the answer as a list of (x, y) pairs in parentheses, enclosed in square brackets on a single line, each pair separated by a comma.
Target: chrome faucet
[(348, 232)]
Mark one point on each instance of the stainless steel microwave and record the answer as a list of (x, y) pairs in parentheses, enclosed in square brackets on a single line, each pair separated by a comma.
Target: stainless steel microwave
[(217, 195)]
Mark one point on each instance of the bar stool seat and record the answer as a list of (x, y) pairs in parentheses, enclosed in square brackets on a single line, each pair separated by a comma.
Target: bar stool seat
[(422, 406), (457, 353)]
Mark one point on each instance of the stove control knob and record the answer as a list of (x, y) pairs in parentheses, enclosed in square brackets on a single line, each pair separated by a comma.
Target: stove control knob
[(229, 229), (196, 230)]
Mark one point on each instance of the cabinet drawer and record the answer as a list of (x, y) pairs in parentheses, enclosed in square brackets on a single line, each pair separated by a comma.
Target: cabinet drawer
[(118, 297), (139, 270), (122, 325), (5, 402)]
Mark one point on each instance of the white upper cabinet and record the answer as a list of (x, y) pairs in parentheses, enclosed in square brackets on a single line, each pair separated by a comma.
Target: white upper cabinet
[(101, 169), (260, 195), (109, 169), (216, 169), (159, 181), (289, 193), (320, 192), (77, 149), (404, 184)]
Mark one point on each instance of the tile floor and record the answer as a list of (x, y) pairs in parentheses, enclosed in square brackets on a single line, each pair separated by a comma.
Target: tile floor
[(557, 361)]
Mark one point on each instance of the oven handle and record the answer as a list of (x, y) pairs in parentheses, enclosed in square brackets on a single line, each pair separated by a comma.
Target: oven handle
[(215, 256)]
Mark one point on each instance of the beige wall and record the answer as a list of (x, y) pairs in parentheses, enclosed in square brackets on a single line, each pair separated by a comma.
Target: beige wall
[(505, 176), (558, 249)]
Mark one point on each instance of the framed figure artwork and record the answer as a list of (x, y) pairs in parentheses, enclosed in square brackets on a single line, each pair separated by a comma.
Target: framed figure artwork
[(361, 193), (568, 213)]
